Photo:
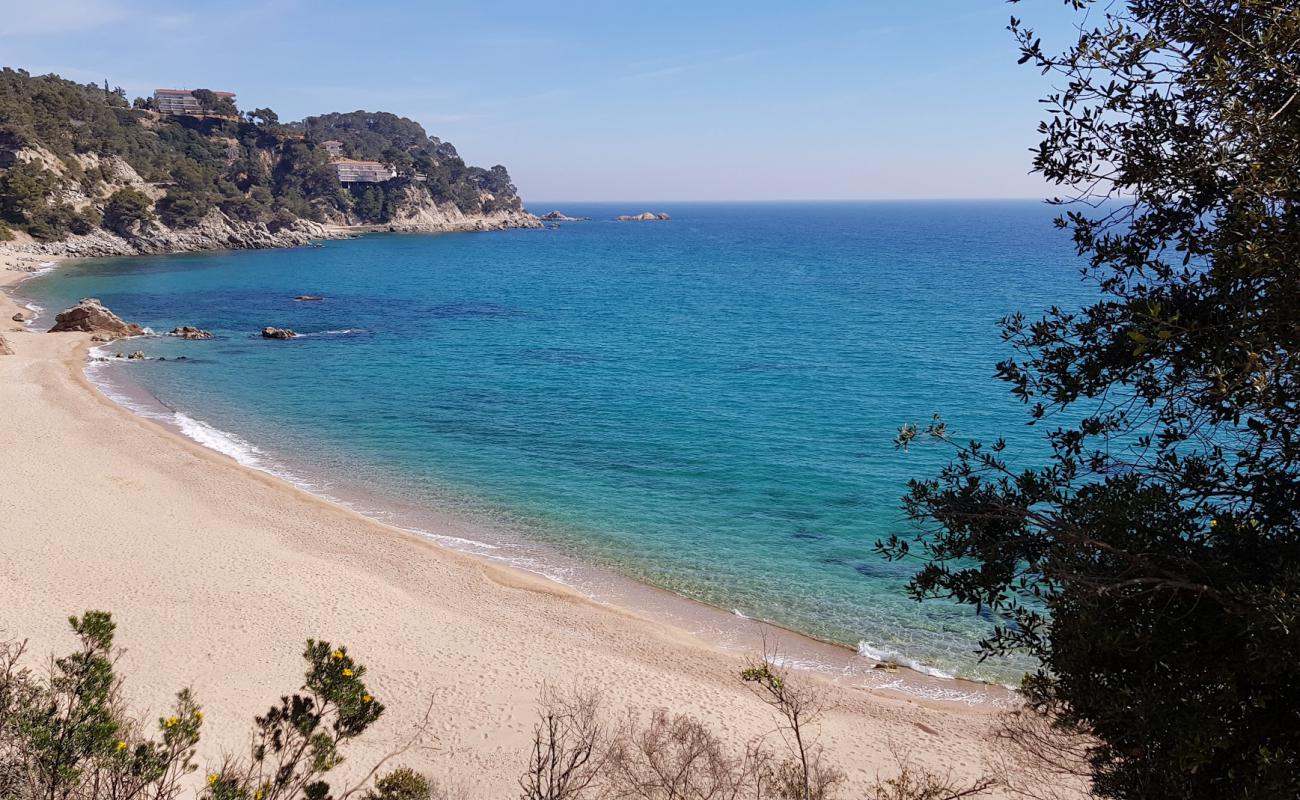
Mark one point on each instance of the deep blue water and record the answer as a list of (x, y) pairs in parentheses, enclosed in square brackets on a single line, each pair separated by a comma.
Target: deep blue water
[(706, 404)]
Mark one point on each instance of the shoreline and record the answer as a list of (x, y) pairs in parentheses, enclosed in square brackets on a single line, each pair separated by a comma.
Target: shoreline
[(66, 354), (723, 628)]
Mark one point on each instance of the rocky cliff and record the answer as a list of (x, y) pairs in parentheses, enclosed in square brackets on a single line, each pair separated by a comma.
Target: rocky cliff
[(84, 172)]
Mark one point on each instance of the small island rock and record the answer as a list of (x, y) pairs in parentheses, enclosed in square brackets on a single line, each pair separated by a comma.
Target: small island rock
[(307, 298), (278, 333), (560, 216), (644, 217), (189, 332), (90, 316)]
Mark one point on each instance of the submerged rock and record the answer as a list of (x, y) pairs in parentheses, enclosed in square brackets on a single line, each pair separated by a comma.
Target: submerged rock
[(189, 332), (278, 333), (90, 316), (307, 298)]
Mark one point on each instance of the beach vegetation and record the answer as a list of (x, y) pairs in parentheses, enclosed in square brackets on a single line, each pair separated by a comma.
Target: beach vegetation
[(582, 752), (1151, 563), (67, 734)]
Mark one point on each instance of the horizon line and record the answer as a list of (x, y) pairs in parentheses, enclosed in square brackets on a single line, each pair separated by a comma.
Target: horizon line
[(802, 200)]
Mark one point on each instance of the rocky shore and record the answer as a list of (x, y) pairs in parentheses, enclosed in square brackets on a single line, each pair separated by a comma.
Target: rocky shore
[(219, 232)]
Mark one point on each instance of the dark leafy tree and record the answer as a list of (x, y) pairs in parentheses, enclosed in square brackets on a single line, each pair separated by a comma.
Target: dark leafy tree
[(126, 209), (215, 103), (263, 117), (1153, 564)]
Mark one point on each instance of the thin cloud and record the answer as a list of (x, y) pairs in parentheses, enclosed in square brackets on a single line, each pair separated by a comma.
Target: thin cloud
[(54, 17), (677, 69)]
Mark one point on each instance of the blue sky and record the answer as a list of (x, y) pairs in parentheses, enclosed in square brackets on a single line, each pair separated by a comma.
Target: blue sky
[(610, 100)]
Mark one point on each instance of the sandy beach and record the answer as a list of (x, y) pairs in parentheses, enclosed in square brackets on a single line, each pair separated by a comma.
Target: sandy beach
[(216, 574)]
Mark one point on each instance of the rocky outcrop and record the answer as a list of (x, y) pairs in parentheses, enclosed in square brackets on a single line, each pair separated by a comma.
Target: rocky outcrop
[(646, 217), (416, 212), (278, 333), (90, 316), (215, 232), (189, 332), (559, 216)]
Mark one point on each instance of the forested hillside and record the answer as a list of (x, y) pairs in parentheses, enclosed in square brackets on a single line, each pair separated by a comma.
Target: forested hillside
[(77, 158)]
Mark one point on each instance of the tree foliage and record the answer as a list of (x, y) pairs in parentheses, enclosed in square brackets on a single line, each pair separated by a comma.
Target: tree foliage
[(1153, 564)]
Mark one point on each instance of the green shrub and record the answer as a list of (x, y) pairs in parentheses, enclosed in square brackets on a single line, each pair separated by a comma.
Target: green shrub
[(125, 209), (68, 735)]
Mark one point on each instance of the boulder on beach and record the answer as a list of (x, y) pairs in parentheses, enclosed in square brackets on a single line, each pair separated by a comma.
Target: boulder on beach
[(189, 332), (22, 316), (307, 298), (90, 316), (644, 217), (278, 333)]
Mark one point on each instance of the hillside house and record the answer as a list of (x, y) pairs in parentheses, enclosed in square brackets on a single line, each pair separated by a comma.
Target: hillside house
[(353, 171), (183, 101)]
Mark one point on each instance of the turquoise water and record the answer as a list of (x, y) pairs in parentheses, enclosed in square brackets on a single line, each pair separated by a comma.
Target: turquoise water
[(706, 404)]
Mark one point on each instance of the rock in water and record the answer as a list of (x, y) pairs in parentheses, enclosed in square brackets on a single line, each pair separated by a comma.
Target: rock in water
[(645, 217), (90, 316), (138, 355), (277, 333), (560, 216), (189, 332), (307, 298)]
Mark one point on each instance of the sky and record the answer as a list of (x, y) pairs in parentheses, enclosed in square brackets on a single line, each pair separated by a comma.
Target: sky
[(665, 100)]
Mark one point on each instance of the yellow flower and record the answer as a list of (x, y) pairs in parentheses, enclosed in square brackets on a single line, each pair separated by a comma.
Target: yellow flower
[(121, 745), (198, 715), (347, 672), (171, 721), (212, 778), (257, 795), (1214, 523), (338, 655), (365, 698)]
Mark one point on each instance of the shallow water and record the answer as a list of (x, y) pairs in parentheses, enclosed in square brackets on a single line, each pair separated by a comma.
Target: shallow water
[(706, 404)]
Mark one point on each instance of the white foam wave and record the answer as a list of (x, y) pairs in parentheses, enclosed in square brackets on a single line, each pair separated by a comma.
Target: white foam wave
[(870, 650), (222, 441), (339, 332)]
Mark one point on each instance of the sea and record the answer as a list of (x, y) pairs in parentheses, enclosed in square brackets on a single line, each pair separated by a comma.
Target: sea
[(705, 405)]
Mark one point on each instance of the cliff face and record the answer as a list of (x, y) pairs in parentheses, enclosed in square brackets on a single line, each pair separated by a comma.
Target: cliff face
[(215, 232), (416, 212)]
